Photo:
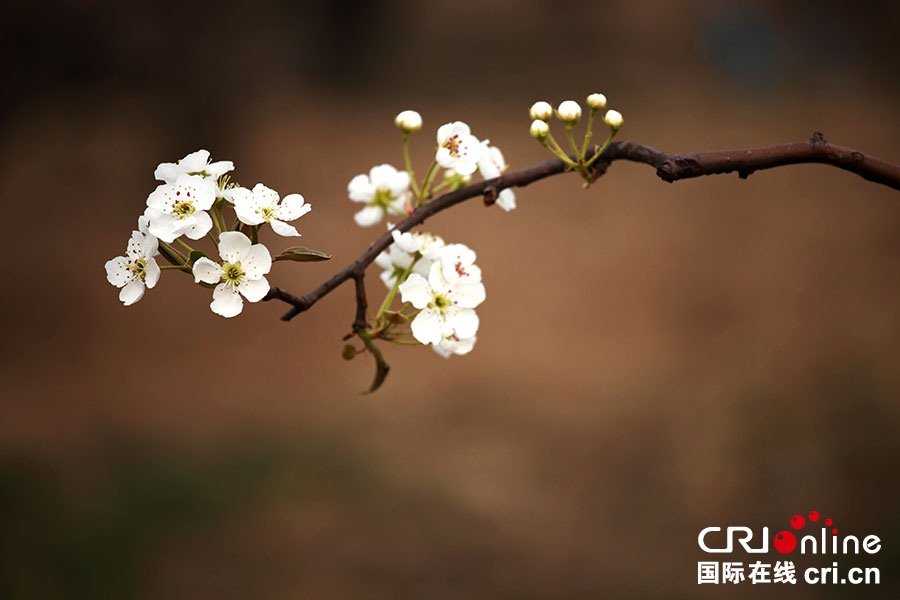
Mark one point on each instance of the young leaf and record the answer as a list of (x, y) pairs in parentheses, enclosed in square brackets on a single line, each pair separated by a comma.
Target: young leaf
[(301, 254), (381, 366)]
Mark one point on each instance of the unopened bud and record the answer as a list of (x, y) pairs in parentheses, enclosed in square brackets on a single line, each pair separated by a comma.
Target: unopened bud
[(569, 111), (613, 118), (596, 101), (539, 129), (348, 351), (541, 111), (408, 120)]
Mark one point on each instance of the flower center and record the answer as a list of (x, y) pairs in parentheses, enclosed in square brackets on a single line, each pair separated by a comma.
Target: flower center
[(139, 268), (183, 209), (453, 144), (233, 273), (440, 302), (267, 212), (383, 198)]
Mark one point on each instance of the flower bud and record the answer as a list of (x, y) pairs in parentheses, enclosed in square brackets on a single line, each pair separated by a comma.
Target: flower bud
[(596, 101), (613, 118), (348, 352), (569, 111), (539, 129), (541, 111), (409, 120)]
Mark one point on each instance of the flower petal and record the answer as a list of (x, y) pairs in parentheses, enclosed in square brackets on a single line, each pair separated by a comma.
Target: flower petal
[(194, 162), (468, 295), (426, 327), (257, 262), (132, 292), (234, 246), (368, 216), (226, 301), (507, 200), (151, 273), (416, 291), (361, 189), (200, 224), (293, 206), (254, 290), (207, 271), (282, 228), (117, 271), (219, 168), (464, 321)]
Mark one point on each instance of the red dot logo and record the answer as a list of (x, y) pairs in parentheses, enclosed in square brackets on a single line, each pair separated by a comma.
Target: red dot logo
[(828, 522), (813, 515), (785, 541), (797, 522)]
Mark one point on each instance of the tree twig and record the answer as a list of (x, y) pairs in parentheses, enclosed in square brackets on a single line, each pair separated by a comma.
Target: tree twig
[(669, 167)]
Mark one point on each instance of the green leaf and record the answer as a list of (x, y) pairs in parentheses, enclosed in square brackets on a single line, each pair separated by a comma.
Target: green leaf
[(381, 366), (169, 255), (195, 256), (301, 254)]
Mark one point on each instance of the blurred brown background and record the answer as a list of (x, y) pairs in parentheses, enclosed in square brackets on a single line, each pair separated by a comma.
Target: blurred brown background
[(653, 358)]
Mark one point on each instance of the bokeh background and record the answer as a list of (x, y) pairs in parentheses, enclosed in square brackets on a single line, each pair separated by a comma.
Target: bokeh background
[(653, 358)]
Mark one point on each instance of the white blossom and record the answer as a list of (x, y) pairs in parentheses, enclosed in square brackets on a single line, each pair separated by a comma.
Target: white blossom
[(458, 264), (613, 118), (458, 149), (596, 101), (180, 208), (445, 307), (569, 111), (136, 270), (541, 111), (451, 344), (195, 163), (539, 129), (408, 120), (384, 191), (242, 273), (426, 244), (493, 165), (401, 254), (261, 205)]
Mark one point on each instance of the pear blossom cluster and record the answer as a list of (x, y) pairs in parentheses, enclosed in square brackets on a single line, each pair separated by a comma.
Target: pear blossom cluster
[(190, 203), (387, 191), (437, 285), (569, 112), (442, 284)]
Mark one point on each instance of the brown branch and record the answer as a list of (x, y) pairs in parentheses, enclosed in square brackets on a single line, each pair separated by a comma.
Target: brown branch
[(669, 167)]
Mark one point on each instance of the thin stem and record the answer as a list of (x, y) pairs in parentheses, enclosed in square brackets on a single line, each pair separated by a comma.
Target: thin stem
[(429, 176), (569, 127), (179, 267), (603, 148), (441, 185), (559, 151), (403, 342), (389, 299), (185, 246), (409, 169), (589, 132), (213, 238)]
